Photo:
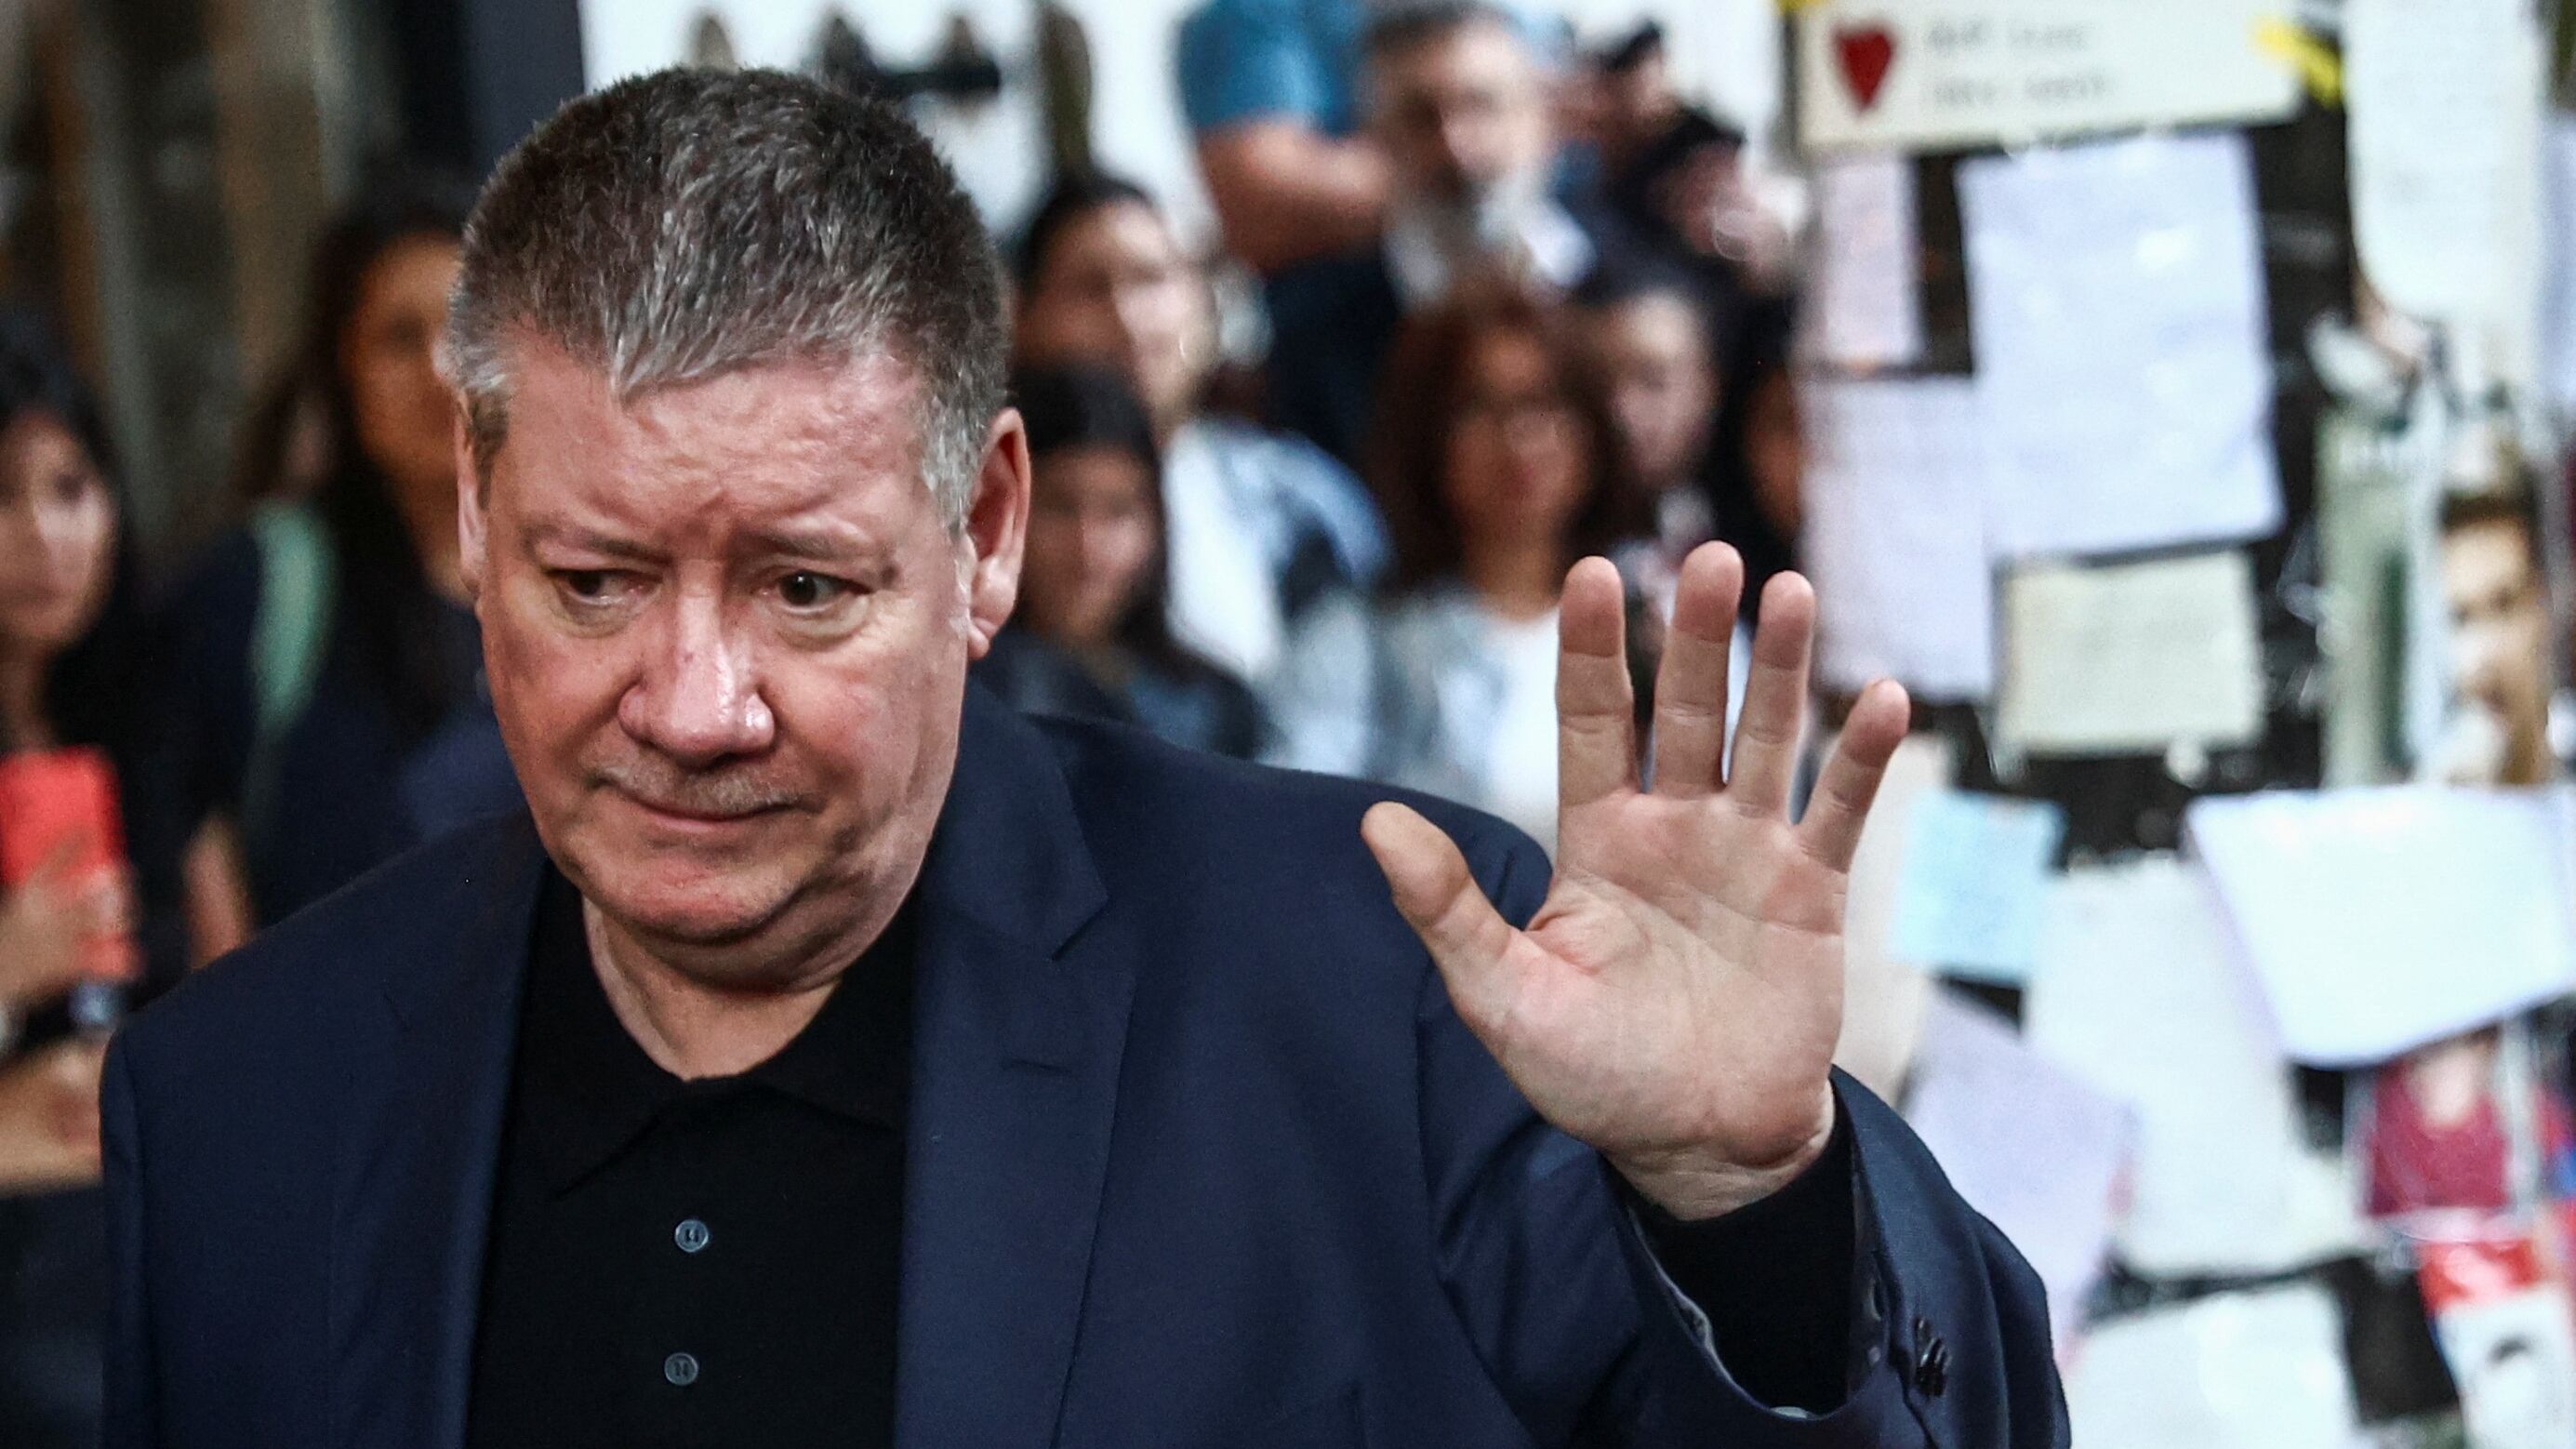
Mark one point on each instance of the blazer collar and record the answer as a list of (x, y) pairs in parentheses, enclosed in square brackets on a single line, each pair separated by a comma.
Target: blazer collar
[(1020, 1014), (1020, 1023), (419, 1159)]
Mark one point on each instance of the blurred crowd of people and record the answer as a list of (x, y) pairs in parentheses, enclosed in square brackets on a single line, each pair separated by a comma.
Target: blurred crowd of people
[(1520, 304)]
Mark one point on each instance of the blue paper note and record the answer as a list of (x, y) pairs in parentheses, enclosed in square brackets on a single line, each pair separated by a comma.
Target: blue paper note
[(1976, 874)]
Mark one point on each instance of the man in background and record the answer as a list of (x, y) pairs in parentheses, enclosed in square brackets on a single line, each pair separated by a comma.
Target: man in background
[(2499, 645), (1462, 104)]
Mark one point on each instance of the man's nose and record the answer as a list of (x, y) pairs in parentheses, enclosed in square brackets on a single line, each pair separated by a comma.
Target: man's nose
[(698, 700)]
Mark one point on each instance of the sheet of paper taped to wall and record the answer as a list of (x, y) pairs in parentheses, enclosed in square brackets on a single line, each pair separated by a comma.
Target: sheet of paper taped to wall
[(2254, 1370), (2381, 919), (2136, 993), (1885, 997), (2514, 1358), (1950, 74), (2116, 295), (2026, 1142), (1975, 884), (2130, 658), (1895, 540), (2444, 106), (1863, 306)]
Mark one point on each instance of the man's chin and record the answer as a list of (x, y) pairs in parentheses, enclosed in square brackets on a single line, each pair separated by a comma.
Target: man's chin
[(696, 912)]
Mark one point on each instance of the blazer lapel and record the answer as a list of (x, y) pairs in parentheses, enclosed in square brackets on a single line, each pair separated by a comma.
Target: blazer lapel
[(1019, 1027), (414, 1195)]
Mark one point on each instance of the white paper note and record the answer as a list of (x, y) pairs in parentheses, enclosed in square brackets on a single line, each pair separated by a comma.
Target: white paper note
[(2116, 296), (1976, 884), (2514, 1359), (2444, 102), (2137, 994), (2130, 658), (1885, 997), (1894, 539), (1945, 74), (2257, 1370), (2027, 1144), (2557, 338), (2378, 920), (1863, 305)]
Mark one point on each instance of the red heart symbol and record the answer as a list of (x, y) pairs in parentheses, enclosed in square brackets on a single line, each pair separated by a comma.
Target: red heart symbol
[(1865, 53)]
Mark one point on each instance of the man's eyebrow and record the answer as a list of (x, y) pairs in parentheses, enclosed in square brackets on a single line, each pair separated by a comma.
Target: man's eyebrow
[(813, 543), (586, 541)]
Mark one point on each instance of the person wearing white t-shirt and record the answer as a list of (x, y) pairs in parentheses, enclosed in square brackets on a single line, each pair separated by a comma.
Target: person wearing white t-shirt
[(1260, 524)]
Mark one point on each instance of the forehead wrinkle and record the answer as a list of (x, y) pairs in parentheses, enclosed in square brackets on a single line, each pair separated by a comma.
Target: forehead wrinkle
[(782, 445), (771, 419)]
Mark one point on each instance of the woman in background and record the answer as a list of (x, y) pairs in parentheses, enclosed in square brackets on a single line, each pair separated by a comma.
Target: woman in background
[(326, 662), (1092, 634), (1261, 524), (1499, 467), (70, 677), (1759, 467)]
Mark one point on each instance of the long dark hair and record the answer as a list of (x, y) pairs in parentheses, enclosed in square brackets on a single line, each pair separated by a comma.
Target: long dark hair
[(92, 689), (1418, 407), (388, 614), (1077, 405), (1758, 358), (1072, 198)]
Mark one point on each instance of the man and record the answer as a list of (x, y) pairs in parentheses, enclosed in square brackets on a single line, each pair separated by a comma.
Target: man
[(835, 1058), (2500, 644), (1267, 88), (1460, 101), (1270, 90)]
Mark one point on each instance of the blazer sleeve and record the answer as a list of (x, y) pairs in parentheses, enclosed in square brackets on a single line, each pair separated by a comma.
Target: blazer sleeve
[(1553, 1282), (132, 1411)]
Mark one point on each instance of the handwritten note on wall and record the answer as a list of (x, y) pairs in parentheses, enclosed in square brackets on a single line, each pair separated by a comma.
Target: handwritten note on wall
[(1931, 74)]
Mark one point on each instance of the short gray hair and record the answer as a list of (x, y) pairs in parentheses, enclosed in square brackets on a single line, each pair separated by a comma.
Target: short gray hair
[(682, 225)]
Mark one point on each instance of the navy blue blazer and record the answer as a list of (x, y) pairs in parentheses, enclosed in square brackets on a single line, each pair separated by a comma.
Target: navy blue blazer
[(1199, 1157)]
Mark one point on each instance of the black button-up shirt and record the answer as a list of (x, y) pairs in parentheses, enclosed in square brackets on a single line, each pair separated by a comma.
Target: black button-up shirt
[(695, 1263), (718, 1262)]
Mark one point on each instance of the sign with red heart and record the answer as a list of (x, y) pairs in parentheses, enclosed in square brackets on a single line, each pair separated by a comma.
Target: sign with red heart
[(1915, 75)]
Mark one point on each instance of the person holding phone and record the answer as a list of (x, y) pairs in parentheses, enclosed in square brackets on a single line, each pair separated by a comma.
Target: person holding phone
[(97, 921)]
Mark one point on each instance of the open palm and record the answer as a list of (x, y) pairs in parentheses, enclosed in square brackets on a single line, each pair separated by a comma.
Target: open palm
[(1676, 999)]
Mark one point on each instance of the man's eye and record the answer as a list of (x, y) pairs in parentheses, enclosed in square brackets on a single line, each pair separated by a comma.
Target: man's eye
[(592, 587), (808, 590)]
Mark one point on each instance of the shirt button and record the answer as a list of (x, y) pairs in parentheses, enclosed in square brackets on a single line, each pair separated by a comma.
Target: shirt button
[(681, 1369), (691, 1235)]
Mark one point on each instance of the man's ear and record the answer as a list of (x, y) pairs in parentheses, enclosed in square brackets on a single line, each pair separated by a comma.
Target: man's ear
[(471, 535), (997, 529)]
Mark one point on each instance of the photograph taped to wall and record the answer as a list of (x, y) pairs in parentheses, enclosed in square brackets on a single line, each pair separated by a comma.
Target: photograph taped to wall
[(2500, 652), (2446, 1133)]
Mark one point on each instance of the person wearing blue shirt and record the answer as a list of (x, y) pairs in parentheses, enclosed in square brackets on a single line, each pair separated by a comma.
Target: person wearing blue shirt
[(1271, 90)]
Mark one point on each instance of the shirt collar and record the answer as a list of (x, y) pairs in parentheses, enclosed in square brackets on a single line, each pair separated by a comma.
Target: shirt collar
[(587, 1090)]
